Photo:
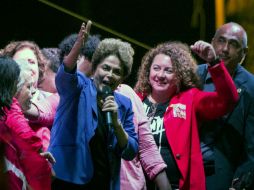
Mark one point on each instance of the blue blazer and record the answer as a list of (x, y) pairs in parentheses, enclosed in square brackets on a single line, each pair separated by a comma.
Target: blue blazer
[(74, 126)]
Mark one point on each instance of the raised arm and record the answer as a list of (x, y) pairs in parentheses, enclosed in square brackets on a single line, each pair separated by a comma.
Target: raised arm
[(70, 61), (225, 97)]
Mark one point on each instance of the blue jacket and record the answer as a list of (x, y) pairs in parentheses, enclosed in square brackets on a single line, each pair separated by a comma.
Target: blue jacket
[(74, 126)]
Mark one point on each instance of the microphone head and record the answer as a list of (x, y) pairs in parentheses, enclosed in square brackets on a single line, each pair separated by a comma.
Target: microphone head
[(106, 91)]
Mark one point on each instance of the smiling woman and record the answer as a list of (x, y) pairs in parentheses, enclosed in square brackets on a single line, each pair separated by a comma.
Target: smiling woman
[(168, 82)]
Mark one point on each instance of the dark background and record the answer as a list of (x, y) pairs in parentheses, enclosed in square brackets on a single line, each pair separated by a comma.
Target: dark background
[(148, 22)]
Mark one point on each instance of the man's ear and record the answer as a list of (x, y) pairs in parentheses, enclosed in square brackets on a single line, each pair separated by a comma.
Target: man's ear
[(245, 51), (242, 60), (212, 41)]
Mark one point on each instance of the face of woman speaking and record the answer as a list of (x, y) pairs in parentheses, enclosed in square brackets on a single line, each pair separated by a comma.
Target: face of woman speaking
[(162, 78), (109, 72)]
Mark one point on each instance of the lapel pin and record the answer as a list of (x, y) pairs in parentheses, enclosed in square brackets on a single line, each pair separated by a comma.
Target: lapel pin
[(239, 90)]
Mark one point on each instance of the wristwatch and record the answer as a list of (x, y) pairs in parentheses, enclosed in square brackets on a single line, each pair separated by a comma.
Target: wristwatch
[(214, 62)]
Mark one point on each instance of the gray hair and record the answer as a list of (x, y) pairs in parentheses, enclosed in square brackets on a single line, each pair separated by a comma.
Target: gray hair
[(25, 74), (117, 47)]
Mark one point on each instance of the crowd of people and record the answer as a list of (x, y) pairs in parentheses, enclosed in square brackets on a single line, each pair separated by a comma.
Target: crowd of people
[(68, 121)]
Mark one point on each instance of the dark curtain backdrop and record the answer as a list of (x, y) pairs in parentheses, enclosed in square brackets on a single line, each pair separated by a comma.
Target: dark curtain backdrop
[(146, 21)]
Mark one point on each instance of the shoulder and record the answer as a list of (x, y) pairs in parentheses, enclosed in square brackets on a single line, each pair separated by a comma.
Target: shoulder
[(190, 92), (202, 72), (72, 74), (246, 79), (15, 106), (186, 96), (128, 92), (123, 102), (122, 99), (246, 74), (202, 68), (15, 103)]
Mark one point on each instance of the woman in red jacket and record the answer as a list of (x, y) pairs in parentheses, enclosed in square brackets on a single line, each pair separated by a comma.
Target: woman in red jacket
[(168, 86), (23, 163)]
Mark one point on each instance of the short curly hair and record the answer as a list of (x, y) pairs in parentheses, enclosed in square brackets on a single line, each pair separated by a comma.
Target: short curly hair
[(183, 65), (14, 46), (111, 46), (87, 50)]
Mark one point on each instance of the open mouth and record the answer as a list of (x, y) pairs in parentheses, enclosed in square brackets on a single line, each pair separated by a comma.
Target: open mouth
[(160, 83), (106, 83)]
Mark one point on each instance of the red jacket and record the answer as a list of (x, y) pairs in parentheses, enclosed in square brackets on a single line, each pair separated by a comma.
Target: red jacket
[(22, 159), (24, 165), (16, 121), (181, 120)]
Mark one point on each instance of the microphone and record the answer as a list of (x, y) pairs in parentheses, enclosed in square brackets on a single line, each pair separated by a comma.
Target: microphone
[(106, 91)]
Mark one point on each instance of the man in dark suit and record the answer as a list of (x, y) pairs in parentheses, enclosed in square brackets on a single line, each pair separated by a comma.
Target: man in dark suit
[(228, 143)]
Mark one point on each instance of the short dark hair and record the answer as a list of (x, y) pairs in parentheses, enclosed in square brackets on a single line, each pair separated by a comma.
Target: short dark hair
[(90, 46), (52, 54), (9, 72), (87, 50)]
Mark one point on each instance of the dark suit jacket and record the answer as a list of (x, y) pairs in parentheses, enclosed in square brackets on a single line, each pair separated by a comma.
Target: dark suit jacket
[(233, 134)]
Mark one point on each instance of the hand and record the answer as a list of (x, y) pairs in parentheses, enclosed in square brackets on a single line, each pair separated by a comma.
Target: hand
[(204, 50), (244, 183), (70, 60), (48, 157), (84, 31), (244, 177), (109, 105)]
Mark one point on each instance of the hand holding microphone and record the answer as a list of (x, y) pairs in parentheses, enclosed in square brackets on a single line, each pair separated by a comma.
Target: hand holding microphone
[(109, 106)]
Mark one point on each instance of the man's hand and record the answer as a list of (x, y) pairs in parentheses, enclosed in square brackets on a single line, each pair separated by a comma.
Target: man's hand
[(204, 50), (244, 183)]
